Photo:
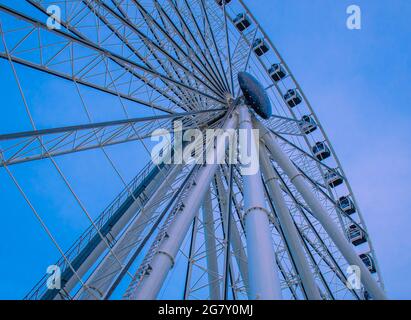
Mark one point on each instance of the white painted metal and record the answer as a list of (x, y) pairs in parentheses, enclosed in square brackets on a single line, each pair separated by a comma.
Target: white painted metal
[(291, 234), (116, 230), (235, 238), (104, 274), (163, 261), (263, 271), (174, 69), (210, 243), (319, 212)]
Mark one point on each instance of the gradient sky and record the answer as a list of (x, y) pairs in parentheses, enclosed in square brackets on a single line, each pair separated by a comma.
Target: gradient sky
[(357, 81)]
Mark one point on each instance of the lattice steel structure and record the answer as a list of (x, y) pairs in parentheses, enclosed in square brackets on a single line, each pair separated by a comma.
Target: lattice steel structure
[(287, 232)]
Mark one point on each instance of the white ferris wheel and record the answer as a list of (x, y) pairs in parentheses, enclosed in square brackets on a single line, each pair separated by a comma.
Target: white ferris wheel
[(291, 230)]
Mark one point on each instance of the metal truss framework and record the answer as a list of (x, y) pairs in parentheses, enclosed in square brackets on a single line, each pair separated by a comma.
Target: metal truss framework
[(281, 233)]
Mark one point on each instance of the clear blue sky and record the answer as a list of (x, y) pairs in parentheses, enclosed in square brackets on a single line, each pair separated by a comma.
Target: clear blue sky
[(357, 81)]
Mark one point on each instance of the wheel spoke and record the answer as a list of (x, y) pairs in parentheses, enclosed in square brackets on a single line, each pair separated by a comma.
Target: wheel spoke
[(25, 147)]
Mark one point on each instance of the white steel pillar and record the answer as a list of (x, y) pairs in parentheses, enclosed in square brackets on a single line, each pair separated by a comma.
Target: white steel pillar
[(235, 236), (263, 271), (210, 244), (320, 213), (102, 277), (164, 259), (115, 231), (291, 234)]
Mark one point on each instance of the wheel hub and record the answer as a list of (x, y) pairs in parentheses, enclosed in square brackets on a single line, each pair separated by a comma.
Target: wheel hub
[(254, 94)]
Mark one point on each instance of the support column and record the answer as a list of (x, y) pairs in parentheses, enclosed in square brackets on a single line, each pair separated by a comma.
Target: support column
[(291, 235), (102, 277), (263, 271), (191, 256), (97, 250), (235, 236), (163, 260), (210, 243), (320, 213)]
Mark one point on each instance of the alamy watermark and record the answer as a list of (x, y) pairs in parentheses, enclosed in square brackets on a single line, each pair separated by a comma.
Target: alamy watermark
[(54, 279), (212, 146), (54, 20), (353, 20), (354, 17), (354, 278)]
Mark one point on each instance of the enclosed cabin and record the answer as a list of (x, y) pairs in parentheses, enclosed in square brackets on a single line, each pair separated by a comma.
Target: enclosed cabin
[(321, 151), (293, 98), (369, 262), (308, 124), (260, 47), (277, 72), (220, 2), (242, 22), (333, 178), (347, 205), (357, 235)]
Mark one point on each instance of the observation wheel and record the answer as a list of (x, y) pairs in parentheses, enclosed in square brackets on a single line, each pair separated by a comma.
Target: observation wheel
[(192, 230)]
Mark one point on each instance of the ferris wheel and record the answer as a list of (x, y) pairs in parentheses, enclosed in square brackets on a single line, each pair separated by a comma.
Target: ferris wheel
[(291, 230)]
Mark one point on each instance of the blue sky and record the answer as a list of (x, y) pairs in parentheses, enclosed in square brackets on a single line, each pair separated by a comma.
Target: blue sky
[(359, 85), (357, 81)]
